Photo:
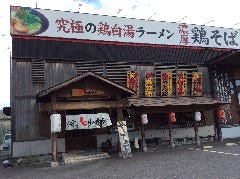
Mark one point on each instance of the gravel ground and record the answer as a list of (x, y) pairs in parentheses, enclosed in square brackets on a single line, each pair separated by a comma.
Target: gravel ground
[(210, 160)]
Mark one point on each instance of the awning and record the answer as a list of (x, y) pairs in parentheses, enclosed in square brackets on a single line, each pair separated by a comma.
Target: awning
[(177, 104)]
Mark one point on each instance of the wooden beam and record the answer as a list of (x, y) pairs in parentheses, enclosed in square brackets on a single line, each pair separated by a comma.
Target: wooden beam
[(82, 105)]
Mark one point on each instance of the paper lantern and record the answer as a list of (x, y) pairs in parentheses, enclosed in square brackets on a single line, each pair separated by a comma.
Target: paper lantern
[(221, 114), (172, 117), (144, 118), (55, 122), (198, 116)]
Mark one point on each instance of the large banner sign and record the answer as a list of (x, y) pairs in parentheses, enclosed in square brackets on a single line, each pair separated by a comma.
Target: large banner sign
[(49, 23), (87, 121)]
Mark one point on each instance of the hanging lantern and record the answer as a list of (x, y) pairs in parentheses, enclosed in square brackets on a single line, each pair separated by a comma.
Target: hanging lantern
[(55, 122), (144, 118), (198, 116), (221, 114), (172, 117)]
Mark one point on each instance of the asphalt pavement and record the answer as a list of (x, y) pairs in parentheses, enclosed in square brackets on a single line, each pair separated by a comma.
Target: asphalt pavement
[(220, 160)]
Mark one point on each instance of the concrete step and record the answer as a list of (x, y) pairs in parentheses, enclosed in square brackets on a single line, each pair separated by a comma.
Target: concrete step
[(78, 157)]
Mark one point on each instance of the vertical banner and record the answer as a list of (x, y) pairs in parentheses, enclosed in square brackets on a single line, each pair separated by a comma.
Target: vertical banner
[(124, 139), (149, 84), (133, 81), (166, 83), (181, 83), (196, 84)]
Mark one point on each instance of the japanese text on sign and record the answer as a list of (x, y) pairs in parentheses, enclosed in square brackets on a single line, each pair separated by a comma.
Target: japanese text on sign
[(133, 81), (124, 139), (149, 84), (196, 83), (181, 83), (87, 121), (166, 84), (115, 29)]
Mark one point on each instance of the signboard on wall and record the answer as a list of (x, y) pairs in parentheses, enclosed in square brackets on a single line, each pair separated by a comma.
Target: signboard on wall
[(166, 83), (181, 83), (196, 84), (87, 121), (133, 81), (60, 24), (86, 92), (149, 84)]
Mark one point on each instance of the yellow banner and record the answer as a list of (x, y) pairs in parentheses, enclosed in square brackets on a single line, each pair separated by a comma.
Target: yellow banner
[(149, 84), (196, 84)]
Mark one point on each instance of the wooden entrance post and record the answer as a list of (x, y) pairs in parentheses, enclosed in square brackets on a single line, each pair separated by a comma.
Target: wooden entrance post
[(219, 129), (144, 146), (197, 139), (54, 146), (170, 133), (54, 128), (197, 118)]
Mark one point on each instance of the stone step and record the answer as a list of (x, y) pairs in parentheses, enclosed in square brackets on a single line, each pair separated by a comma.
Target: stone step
[(73, 158)]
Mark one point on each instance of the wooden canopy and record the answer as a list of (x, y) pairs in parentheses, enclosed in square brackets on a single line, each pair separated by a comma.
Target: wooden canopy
[(73, 80), (176, 104), (63, 96)]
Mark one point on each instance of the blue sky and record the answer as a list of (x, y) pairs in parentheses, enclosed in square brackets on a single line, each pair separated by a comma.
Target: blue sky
[(212, 13)]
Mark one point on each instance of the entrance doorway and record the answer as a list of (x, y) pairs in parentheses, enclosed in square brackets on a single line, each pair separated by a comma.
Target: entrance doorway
[(80, 139)]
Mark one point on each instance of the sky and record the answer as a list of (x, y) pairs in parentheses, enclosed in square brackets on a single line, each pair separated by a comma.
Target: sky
[(205, 12)]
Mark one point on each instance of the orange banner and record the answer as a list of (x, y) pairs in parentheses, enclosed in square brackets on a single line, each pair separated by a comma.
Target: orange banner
[(133, 81), (181, 83)]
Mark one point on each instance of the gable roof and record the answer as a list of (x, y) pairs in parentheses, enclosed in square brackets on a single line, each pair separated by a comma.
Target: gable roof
[(75, 79)]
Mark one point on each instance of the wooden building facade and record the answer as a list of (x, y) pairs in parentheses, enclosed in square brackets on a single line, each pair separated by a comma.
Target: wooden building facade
[(86, 76)]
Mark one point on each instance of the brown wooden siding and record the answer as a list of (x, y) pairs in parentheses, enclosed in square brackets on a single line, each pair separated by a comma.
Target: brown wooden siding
[(24, 91)]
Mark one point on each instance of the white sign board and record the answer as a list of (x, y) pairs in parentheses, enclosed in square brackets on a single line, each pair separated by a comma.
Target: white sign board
[(87, 121), (59, 24), (124, 139)]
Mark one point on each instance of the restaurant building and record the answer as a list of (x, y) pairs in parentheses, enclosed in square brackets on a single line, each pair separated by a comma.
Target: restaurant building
[(102, 73)]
